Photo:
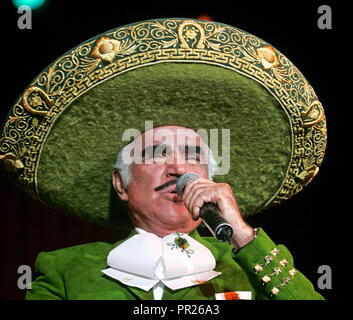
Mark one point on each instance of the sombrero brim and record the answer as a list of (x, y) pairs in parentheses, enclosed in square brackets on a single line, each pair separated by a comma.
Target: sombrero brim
[(61, 139)]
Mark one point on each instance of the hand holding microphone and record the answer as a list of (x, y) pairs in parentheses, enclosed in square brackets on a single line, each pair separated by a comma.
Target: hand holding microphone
[(217, 207), (209, 212)]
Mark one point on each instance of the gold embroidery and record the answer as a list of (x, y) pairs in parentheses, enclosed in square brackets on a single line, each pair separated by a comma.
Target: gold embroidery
[(199, 281), (283, 263), (312, 114), (292, 272), (268, 58), (189, 31), (277, 270), (274, 252), (11, 162), (166, 40), (107, 49), (276, 289), (259, 267), (34, 98), (266, 279)]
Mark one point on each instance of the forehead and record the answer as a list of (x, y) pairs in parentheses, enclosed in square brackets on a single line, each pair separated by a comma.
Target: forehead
[(171, 135)]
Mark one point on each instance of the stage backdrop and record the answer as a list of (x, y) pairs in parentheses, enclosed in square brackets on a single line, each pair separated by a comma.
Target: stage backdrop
[(312, 224)]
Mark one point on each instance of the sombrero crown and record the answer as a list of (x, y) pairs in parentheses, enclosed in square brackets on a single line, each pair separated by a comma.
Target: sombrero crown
[(60, 139)]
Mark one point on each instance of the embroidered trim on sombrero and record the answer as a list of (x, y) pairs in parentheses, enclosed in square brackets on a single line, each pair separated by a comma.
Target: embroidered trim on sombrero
[(157, 41)]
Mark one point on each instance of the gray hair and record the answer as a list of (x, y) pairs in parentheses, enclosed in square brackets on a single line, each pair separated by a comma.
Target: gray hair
[(125, 171)]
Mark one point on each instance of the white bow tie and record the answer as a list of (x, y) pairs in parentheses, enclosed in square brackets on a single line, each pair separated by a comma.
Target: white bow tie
[(177, 260)]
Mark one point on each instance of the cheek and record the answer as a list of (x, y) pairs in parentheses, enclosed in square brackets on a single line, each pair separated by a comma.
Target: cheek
[(200, 170), (139, 196), (146, 174), (144, 178), (204, 169)]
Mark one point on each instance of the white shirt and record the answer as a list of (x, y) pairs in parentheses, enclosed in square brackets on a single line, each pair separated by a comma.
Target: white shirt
[(149, 262)]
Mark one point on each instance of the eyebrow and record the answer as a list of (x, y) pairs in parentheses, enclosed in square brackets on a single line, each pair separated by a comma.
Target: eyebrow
[(153, 149), (182, 148), (196, 149)]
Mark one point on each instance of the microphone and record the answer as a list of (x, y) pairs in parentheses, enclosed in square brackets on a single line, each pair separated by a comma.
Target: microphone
[(209, 212)]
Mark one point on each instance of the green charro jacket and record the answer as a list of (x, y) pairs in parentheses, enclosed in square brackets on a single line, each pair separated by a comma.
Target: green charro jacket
[(75, 273)]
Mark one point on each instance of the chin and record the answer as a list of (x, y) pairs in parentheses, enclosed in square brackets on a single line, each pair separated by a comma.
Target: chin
[(175, 216), (181, 220), (179, 211)]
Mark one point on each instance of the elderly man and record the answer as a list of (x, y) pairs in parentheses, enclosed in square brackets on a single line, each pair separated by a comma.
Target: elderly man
[(162, 212), (165, 257), (61, 136)]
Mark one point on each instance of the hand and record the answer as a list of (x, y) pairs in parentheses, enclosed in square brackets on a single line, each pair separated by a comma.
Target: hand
[(203, 190)]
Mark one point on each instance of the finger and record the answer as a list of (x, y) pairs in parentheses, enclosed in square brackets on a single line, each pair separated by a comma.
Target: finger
[(189, 187), (189, 192), (200, 197), (196, 195), (193, 184)]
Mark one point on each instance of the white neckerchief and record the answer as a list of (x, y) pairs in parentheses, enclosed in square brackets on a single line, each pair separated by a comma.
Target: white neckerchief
[(147, 261)]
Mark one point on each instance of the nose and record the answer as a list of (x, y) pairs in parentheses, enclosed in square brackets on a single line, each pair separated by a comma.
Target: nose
[(176, 170)]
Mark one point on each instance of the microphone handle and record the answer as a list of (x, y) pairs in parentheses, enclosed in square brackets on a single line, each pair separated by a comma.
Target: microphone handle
[(219, 228)]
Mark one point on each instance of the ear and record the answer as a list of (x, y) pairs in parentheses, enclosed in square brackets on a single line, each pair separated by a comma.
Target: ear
[(118, 186)]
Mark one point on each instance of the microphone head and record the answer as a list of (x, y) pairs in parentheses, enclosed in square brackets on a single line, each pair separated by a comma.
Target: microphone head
[(182, 181)]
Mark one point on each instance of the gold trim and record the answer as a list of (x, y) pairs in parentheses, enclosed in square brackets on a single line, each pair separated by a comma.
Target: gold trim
[(11, 162), (276, 289), (191, 34), (167, 40), (35, 97)]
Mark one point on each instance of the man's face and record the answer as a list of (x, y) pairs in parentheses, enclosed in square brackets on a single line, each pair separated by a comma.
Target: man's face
[(167, 153)]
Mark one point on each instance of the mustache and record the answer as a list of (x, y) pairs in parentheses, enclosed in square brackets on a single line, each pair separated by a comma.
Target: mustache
[(166, 185)]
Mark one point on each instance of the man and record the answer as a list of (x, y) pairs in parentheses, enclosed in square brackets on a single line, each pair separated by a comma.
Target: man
[(155, 76), (162, 212), (256, 269)]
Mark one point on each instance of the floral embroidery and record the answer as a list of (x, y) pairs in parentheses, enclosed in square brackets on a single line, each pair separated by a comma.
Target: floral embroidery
[(180, 243)]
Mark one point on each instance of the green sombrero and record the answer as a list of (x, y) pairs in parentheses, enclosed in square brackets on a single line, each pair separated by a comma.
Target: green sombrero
[(60, 139)]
